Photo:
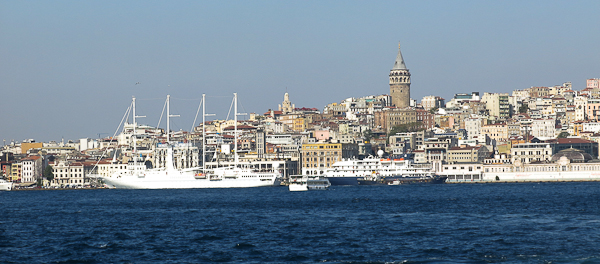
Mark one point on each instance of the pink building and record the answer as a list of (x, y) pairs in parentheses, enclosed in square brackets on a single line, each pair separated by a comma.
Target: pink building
[(593, 83), (593, 109), (321, 134)]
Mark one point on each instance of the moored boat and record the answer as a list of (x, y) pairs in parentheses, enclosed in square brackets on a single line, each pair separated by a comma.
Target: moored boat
[(169, 177), (305, 183), (371, 170), (5, 185)]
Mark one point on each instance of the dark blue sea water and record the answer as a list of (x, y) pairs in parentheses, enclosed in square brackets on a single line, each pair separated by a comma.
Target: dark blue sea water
[(468, 223)]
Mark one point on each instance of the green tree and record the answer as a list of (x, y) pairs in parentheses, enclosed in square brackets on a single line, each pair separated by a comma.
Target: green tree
[(563, 135), (409, 127), (368, 134), (523, 109), (433, 110), (48, 174)]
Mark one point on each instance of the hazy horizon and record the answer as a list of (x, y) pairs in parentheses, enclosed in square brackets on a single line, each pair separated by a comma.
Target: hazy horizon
[(70, 68)]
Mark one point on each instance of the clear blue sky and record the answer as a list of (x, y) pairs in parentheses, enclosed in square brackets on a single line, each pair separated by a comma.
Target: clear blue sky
[(68, 68)]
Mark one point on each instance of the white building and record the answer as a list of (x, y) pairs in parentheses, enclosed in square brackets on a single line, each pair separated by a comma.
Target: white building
[(31, 169), (580, 103), (543, 128), (473, 127), (87, 143), (529, 152), (591, 127)]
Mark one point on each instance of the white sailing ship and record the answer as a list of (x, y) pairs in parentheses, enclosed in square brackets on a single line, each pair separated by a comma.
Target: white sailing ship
[(5, 185), (169, 177)]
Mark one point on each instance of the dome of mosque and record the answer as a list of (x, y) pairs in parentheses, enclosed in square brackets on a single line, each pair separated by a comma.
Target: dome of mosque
[(574, 155)]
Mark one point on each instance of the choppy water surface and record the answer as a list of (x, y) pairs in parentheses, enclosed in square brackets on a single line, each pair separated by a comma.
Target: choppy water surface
[(472, 223)]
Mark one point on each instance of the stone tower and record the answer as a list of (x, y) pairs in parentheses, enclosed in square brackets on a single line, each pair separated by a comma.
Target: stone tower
[(400, 82), (286, 106)]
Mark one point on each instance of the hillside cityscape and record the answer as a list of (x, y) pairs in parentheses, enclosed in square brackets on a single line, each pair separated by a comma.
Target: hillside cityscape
[(541, 128)]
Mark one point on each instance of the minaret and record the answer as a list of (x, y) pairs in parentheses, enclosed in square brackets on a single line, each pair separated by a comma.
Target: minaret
[(400, 82)]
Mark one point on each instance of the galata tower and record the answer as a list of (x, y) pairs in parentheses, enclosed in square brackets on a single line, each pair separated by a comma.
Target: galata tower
[(400, 82)]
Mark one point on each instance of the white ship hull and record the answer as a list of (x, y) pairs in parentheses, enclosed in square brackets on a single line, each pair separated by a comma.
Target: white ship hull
[(5, 186), (305, 183), (186, 183), (176, 179), (298, 187)]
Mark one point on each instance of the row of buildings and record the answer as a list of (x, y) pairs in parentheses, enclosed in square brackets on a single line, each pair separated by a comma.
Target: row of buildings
[(530, 125)]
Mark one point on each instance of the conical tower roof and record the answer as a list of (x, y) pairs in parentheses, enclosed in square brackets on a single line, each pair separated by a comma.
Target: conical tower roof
[(399, 64)]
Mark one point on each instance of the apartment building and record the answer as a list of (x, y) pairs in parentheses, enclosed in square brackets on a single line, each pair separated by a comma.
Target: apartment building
[(31, 168), (467, 154), (497, 131), (497, 104), (316, 157)]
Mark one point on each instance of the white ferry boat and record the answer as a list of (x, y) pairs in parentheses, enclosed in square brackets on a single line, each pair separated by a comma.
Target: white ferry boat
[(351, 172), (5, 185), (305, 183), (136, 176)]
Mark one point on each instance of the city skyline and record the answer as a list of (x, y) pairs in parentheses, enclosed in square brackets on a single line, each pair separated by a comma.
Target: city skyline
[(70, 68)]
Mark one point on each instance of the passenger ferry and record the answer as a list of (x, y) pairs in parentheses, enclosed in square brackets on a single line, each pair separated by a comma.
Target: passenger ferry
[(306, 182), (351, 172)]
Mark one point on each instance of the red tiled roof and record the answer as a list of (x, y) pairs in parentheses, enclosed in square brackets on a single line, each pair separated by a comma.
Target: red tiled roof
[(465, 148), (239, 127), (274, 112), (572, 140)]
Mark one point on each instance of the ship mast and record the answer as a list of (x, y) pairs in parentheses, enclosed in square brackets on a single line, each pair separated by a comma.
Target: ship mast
[(169, 115), (169, 160), (135, 135), (204, 115), (235, 128)]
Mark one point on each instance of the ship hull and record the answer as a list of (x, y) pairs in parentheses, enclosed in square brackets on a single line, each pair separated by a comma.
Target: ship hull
[(337, 181), (5, 186), (405, 180), (124, 183)]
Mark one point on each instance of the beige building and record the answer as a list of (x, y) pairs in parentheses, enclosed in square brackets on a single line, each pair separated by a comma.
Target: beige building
[(386, 120), (431, 101), (316, 157), (69, 173), (467, 154), (497, 104), (498, 131), (435, 149)]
